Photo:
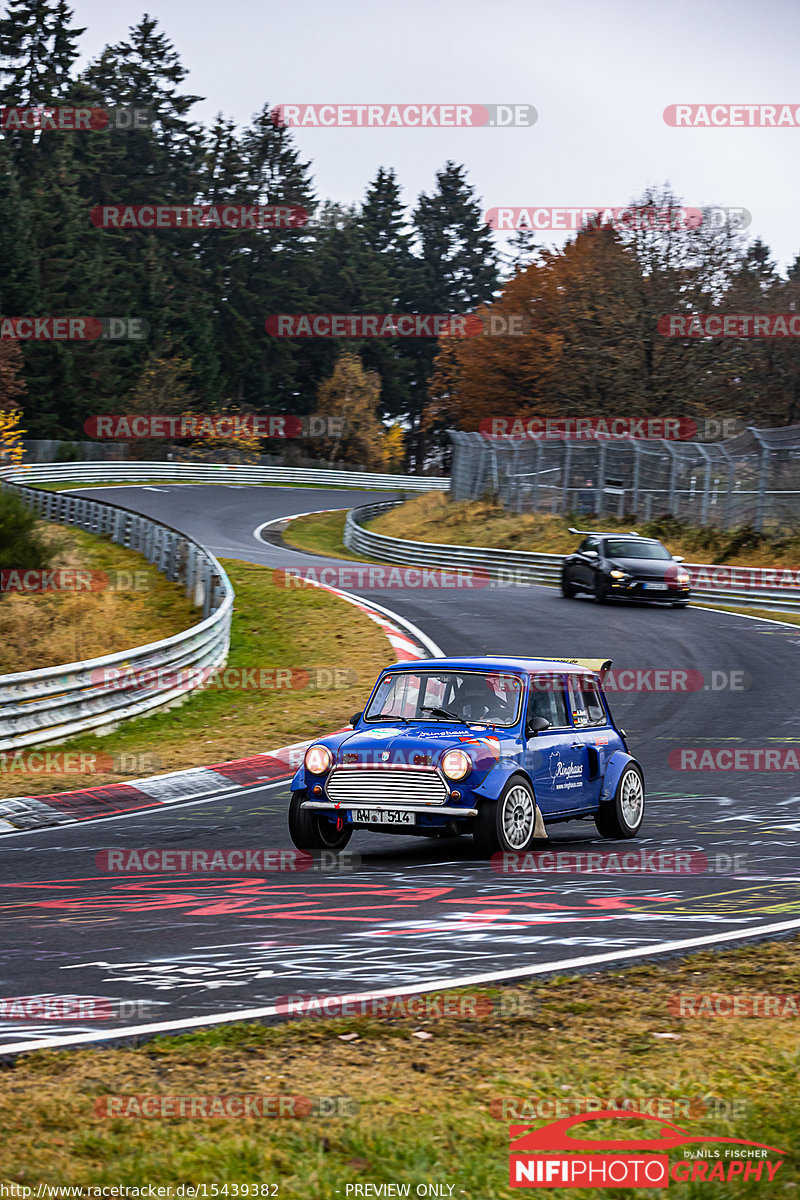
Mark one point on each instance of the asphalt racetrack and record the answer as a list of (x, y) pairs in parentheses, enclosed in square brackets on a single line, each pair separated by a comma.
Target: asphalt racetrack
[(185, 948)]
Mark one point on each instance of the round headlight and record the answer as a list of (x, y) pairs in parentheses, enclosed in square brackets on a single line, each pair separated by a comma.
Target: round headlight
[(456, 764), (318, 759), (684, 577), (617, 574)]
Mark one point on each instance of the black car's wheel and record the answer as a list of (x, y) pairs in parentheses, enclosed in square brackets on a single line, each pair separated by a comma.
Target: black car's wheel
[(680, 604), (508, 823), (622, 817), (567, 589), (600, 589), (311, 830)]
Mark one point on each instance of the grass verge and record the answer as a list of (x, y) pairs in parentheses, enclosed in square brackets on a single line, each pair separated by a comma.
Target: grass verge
[(50, 628), (321, 533), (328, 651), (420, 1110)]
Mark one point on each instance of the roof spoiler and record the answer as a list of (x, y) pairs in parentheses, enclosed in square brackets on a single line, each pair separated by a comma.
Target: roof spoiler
[(600, 533), (599, 666)]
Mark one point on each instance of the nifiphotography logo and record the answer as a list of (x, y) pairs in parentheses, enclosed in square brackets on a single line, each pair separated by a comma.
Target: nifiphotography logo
[(608, 1163)]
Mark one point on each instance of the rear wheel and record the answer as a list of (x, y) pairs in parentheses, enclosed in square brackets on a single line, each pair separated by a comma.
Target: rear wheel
[(567, 589), (622, 817), (311, 830), (508, 823)]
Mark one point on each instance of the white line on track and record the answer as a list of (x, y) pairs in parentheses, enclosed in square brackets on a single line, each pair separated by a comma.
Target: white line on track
[(270, 1010)]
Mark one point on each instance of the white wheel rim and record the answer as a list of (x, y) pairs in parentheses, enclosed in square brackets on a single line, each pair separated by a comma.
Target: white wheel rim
[(631, 795), (519, 815)]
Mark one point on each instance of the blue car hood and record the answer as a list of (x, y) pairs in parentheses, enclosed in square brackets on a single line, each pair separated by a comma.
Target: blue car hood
[(402, 743)]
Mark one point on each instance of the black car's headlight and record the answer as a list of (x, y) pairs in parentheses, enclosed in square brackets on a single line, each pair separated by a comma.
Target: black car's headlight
[(618, 575), (684, 578)]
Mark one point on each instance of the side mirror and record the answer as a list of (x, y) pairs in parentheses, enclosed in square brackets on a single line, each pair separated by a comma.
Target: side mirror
[(591, 553), (678, 558), (537, 725), (356, 717)]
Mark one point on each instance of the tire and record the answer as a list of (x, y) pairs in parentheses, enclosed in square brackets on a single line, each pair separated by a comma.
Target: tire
[(622, 817), (508, 823), (567, 589), (681, 604), (313, 831), (600, 591)]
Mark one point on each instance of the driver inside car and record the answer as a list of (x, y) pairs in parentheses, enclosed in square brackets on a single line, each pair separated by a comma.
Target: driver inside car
[(477, 701)]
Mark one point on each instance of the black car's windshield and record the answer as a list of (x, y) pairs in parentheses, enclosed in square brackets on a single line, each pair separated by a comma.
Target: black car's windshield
[(474, 697), (620, 548)]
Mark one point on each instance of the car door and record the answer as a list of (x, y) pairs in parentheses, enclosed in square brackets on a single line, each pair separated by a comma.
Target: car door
[(591, 732), (553, 758)]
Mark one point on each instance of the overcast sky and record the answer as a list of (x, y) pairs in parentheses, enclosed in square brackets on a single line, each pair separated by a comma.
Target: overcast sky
[(598, 74)]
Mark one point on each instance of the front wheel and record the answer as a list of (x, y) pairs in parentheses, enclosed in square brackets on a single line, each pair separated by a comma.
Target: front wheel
[(567, 589), (511, 822), (622, 816), (311, 830), (600, 590)]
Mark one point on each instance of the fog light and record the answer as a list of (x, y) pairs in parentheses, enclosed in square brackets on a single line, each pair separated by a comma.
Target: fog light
[(455, 795), (317, 790)]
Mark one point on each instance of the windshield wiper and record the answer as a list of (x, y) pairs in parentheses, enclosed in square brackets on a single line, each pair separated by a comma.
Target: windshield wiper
[(441, 712)]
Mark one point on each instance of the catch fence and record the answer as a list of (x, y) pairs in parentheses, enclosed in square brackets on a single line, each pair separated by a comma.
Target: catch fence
[(752, 479)]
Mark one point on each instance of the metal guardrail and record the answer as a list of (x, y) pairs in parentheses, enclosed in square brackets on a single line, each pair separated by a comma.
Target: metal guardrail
[(55, 703), (519, 566), (133, 472)]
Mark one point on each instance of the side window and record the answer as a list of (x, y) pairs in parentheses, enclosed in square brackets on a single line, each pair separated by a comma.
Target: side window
[(585, 703), (547, 700), (589, 543)]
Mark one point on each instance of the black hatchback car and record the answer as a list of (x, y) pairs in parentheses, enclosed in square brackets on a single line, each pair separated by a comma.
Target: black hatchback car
[(624, 565)]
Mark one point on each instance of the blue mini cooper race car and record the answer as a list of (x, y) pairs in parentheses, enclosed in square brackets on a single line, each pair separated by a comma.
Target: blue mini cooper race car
[(497, 747)]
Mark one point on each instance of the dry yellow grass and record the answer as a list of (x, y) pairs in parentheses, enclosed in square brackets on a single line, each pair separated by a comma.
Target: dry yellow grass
[(51, 628)]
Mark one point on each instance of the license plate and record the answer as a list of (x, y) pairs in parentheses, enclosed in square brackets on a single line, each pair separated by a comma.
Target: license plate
[(382, 816), (656, 587)]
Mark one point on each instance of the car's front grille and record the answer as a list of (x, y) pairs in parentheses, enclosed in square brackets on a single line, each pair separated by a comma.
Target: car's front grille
[(386, 785)]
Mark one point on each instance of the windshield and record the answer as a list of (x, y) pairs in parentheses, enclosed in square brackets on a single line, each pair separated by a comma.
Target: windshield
[(482, 697), (618, 548)]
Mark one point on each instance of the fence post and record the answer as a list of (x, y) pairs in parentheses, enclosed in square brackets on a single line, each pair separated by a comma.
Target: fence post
[(601, 476), (762, 481), (637, 458), (706, 485), (567, 447), (537, 468), (673, 476)]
